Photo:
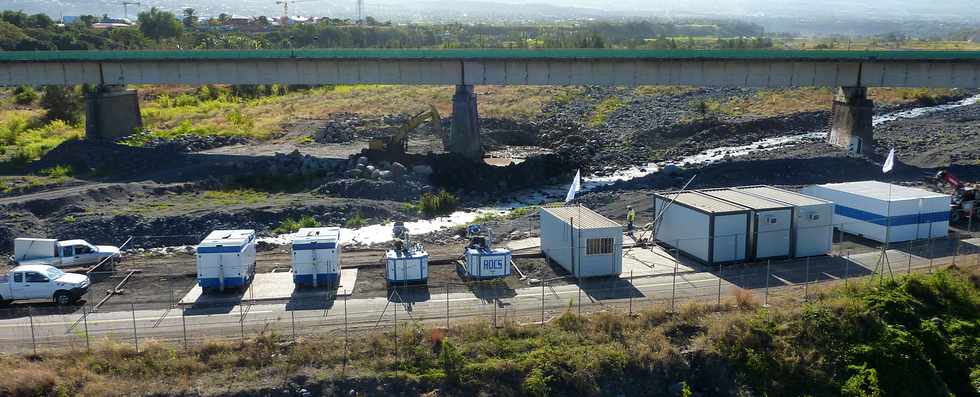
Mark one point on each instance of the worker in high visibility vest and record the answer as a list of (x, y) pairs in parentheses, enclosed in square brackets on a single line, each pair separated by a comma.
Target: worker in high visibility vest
[(630, 220)]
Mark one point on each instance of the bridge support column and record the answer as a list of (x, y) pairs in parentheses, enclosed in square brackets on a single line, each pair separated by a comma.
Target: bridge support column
[(111, 112), (851, 126), (464, 138)]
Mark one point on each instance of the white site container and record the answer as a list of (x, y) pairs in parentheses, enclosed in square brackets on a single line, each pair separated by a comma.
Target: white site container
[(316, 256), (31, 248), (813, 229), (876, 210), (487, 263), (407, 266), (583, 242), (226, 259), (709, 229), (770, 223)]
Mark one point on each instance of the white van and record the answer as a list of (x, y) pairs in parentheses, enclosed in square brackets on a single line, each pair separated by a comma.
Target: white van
[(226, 259)]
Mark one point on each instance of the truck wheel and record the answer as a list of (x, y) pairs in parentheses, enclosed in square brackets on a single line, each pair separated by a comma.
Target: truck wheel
[(62, 298)]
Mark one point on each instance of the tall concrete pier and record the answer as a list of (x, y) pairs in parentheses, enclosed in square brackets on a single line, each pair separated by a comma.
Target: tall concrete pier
[(112, 112), (464, 138), (851, 126)]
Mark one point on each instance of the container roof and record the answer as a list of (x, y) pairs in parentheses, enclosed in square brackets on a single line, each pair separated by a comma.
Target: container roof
[(228, 237), (703, 202), (311, 233), (585, 218), (785, 196), (880, 190), (745, 199)]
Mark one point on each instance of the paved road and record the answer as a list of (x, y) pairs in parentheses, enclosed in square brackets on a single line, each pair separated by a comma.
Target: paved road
[(429, 304)]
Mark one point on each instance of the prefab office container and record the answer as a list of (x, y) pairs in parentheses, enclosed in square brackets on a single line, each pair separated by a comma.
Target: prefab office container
[(886, 213), (409, 266), (706, 228), (581, 241), (316, 256), (770, 223), (226, 259), (813, 229)]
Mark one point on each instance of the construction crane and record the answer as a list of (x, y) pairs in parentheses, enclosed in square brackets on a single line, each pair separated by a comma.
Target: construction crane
[(125, 5), (285, 9), (396, 144)]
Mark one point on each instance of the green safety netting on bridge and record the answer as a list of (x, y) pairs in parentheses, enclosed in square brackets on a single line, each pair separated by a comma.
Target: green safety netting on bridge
[(486, 54)]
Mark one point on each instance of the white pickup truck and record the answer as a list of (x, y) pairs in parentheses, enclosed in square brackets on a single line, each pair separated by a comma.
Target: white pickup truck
[(42, 282), (67, 253)]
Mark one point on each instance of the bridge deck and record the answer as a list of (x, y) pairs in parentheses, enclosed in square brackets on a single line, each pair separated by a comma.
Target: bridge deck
[(487, 54)]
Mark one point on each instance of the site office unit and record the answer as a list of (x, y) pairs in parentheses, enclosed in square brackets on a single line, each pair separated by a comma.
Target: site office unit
[(409, 266), (876, 210), (770, 223), (813, 229), (226, 259), (316, 256), (581, 241), (709, 229)]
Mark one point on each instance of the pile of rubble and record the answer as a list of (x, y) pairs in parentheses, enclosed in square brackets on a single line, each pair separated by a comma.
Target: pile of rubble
[(382, 181), (296, 164), (340, 129)]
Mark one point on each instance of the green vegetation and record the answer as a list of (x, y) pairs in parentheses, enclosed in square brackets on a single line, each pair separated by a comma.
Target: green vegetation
[(23, 140), (235, 196), (603, 110), (356, 220), (59, 171), (290, 225), (69, 219), (25, 95), (434, 204), (512, 214), (917, 336)]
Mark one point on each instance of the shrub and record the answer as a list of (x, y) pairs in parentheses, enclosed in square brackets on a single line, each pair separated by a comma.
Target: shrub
[(356, 220), (61, 103), (25, 95), (744, 298), (290, 225), (441, 203), (58, 171)]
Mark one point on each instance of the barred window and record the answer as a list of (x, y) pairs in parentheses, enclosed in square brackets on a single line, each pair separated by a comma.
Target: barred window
[(599, 246)]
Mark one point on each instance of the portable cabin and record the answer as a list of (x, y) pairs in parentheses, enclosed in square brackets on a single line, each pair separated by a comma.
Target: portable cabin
[(316, 256), (884, 212), (226, 259), (709, 229), (583, 242), (770, 223), (813, 229), (481, 259), (407, 266)]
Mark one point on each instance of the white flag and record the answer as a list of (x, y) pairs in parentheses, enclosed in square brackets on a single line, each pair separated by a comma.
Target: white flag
[(889, 162), (576, 186)]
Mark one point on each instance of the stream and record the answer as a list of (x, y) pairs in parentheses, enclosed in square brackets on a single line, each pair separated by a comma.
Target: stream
[(380, 233)]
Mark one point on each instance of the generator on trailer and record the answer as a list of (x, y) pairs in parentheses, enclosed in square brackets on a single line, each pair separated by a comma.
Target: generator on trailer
[(316, 256), (226, 259), (481, 260), (407, 262)]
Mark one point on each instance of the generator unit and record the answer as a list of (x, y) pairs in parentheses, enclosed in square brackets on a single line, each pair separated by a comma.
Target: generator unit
[(226, 259), (316, 256), (407, 262), (481, 260)]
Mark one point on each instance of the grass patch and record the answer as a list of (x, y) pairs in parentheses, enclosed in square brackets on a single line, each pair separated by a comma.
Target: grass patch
[(602, 111), (435, 204), (356, 220), (509, 215), (235, 197), (290, 225), (663, 90), (23, 139)]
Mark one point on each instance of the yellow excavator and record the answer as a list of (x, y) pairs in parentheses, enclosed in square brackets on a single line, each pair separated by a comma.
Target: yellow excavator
[(397, 143)]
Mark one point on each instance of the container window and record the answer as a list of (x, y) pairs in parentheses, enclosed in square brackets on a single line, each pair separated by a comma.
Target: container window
[(814, 216), (599, 246)]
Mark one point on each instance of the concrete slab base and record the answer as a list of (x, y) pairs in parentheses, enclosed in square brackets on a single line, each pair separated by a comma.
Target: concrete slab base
[(271, 287), (650, 261)]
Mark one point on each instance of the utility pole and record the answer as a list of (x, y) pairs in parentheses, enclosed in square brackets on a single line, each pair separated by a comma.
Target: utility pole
[(360, 12)]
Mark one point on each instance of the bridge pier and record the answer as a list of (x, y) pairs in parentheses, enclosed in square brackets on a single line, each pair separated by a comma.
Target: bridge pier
[(851, 126), (464, 137), (111, 112)]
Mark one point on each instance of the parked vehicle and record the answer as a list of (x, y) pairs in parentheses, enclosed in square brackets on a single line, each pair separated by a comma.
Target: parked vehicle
[(67, 253), (42, 282)]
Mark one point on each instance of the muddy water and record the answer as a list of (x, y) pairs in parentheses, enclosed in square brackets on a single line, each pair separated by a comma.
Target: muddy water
[(382, 232)]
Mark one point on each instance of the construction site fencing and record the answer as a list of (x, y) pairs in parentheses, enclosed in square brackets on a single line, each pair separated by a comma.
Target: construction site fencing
[(136, 319)]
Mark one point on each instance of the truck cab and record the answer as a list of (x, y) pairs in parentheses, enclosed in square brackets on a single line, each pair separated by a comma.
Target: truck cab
[(66, 253), (26, 282)]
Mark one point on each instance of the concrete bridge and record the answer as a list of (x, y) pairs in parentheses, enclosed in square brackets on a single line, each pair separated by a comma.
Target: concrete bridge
[(851, 72)]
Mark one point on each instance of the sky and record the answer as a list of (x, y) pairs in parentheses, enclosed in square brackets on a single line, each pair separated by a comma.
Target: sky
[(414, 10)]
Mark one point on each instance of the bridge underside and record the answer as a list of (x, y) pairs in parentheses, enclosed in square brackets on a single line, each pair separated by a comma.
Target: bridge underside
[(736, 72)]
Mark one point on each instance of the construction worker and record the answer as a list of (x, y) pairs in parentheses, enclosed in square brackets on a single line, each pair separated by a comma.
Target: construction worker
[(630, 220)]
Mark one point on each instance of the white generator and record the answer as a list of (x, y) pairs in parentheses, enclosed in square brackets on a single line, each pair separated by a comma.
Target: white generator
[(481, 260), (316, 256), (406, 262), (226, 260)]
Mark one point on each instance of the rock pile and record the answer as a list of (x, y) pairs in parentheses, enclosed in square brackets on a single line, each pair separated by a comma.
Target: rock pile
[(381, 181), (188, 142)]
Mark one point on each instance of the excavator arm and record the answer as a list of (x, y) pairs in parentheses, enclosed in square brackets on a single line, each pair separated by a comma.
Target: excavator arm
[(398, 142)]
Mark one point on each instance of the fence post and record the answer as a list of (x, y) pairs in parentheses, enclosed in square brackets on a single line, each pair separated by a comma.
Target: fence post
[(673, 285), (956, 249), (631, 294), (909, 269), (542, 302), (765, 302), (720, 268), (183, 322), (88, 344), (241, 320), (136, 340), (806, 281), (292, 319), (30, 315), (578, 283), (447, 306), (494, 303), (847, 266)]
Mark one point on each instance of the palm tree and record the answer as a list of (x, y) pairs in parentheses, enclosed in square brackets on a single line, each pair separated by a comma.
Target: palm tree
[(190, 17)]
